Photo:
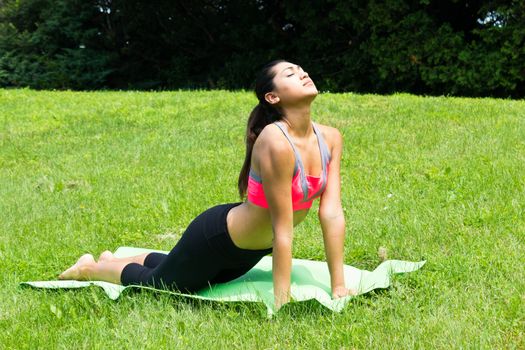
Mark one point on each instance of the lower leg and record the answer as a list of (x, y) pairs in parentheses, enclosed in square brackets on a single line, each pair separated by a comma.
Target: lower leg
[(108, 271), (108, 256)]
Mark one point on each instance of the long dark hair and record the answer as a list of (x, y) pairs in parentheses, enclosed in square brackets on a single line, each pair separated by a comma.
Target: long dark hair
[(262, 115)]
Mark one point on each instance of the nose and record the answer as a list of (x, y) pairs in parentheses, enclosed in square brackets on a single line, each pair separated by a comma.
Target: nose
[(304, 74)]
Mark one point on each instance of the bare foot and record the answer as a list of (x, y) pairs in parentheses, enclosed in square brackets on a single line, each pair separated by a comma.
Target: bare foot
[(106, 256), (73, 273)]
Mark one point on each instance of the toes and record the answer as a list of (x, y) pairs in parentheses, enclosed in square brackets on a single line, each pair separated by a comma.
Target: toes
[(69, 274)]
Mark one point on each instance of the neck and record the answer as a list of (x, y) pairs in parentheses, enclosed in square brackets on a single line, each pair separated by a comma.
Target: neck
[(298, 120)]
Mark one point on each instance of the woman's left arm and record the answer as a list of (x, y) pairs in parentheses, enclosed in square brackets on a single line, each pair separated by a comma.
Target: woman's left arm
[(332, 218)]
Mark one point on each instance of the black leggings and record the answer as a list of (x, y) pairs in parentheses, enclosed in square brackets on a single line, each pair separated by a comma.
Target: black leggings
[(205, 254)]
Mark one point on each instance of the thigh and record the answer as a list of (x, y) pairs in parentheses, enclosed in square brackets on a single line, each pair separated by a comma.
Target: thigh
[(192, 263), (233, 272), (226, 275)]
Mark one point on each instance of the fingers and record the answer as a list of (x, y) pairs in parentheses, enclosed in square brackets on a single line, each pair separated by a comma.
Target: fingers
[(341, 293)]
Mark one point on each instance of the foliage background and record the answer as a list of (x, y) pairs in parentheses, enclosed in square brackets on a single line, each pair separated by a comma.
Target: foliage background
[(469, 48)]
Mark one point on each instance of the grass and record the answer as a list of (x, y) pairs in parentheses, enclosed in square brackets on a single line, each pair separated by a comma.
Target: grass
[(432, 178)]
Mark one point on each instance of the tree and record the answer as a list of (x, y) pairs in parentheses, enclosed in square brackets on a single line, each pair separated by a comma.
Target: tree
[(473, 48), (52, 44)]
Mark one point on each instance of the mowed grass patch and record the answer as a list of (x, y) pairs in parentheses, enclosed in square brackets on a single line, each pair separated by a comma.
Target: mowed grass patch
[(430, 178)]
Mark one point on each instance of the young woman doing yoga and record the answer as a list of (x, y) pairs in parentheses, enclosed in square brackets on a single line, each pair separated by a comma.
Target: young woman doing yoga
[(289, 162)]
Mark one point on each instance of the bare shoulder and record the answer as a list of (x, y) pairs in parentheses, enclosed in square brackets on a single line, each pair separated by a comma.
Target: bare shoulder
[(332, 136), (272, 143), (272, 139)]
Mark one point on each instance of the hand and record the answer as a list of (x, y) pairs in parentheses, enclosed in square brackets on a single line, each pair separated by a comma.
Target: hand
[(342, 291)]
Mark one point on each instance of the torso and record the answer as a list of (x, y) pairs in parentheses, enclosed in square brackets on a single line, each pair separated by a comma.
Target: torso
[(249, 225)]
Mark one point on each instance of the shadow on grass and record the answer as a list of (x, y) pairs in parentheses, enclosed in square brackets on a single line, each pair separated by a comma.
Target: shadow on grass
[(92, 300), (231, 309)]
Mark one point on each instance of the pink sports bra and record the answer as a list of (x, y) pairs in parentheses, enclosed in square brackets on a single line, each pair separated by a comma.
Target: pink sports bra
[(305, 188)]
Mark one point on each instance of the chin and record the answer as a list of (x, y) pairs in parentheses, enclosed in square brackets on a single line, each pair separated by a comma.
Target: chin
[(311, 96), (314, 92)]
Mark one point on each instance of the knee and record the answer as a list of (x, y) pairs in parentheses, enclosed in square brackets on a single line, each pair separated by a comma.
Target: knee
[(134, 273)]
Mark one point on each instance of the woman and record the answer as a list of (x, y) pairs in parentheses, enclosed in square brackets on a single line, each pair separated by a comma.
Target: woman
[(289, 162)]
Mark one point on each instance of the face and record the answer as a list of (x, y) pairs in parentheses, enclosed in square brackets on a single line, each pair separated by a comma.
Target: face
[(292, 85)]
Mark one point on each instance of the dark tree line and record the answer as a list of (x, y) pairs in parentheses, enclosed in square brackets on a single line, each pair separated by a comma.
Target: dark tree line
[(471, 48)]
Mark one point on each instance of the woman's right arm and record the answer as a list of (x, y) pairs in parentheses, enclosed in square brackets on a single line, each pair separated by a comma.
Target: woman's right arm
[(276, 164)]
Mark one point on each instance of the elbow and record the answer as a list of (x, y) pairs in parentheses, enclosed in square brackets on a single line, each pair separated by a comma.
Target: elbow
[(282, 235), (330, 213), (282, 242)]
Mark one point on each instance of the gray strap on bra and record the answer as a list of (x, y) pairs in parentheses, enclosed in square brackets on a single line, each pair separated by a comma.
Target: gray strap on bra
[(298, 161), (325, 153), (325, 159)]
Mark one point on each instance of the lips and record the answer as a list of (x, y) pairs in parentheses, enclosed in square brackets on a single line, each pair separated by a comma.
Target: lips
[(309, 82)]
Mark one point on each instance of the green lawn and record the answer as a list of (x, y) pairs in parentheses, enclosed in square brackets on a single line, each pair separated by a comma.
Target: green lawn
[(432, 178)]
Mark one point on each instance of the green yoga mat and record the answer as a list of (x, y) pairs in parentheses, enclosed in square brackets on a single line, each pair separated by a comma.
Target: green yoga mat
[(309, 280)]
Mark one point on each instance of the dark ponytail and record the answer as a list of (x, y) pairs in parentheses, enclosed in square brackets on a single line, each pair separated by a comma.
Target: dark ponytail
[(262, 115)]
